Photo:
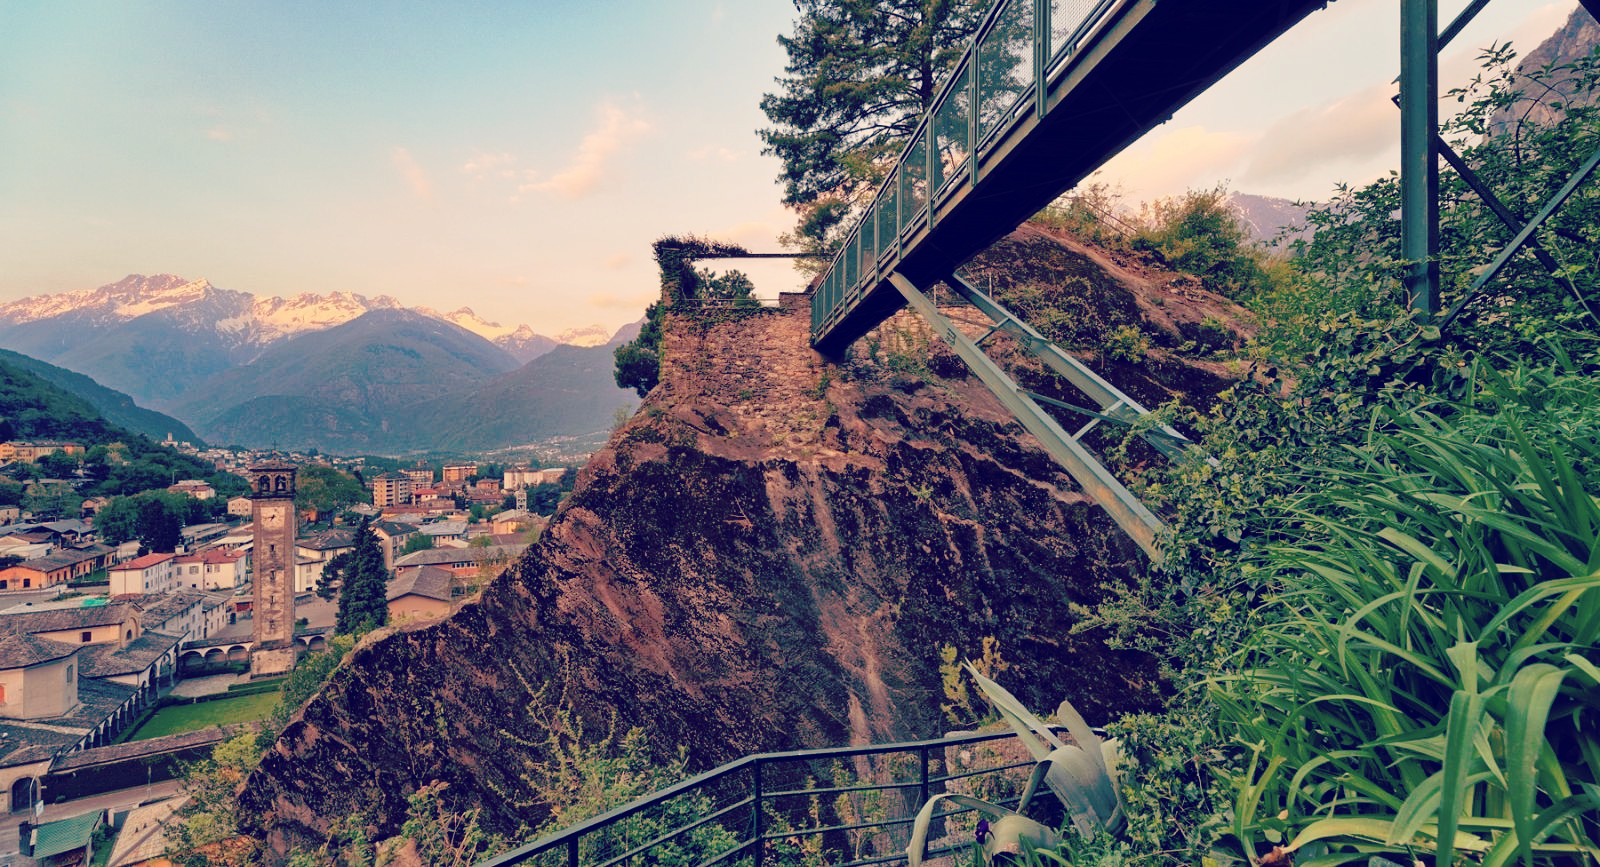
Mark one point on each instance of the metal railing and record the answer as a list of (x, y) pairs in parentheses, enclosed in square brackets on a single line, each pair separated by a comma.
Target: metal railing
[(850, 806), (1018, 48)]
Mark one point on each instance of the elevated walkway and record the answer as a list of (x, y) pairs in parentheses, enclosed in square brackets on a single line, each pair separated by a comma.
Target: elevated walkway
[(1048, 91)]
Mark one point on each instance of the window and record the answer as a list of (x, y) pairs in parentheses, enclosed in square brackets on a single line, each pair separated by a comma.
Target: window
[(130, 635), (27, 582), (2, 584), (84, 637), (69, 674)]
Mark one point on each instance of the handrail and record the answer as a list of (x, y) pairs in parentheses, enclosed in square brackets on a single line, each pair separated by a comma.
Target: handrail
[(754, 836), (963, 94)]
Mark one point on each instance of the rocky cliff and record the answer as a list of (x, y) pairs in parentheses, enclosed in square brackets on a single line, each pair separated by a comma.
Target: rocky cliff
[(770, 554)]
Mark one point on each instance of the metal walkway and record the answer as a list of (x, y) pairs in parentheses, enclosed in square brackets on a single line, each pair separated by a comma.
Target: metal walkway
[(1047, 92)]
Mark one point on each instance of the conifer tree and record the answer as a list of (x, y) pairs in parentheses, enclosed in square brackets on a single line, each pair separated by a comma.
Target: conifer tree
[(860, 75), (363, 598)]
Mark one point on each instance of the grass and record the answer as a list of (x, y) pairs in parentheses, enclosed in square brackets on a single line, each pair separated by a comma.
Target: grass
[(193, 717)]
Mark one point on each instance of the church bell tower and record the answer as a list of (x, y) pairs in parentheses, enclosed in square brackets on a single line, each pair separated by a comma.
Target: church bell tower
[(276, 525)]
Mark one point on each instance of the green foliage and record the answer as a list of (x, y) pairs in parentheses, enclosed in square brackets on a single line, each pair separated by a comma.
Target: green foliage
[(418, 542), (1127, 343), (1198, 234), (1421, 680), (638, 362), (859, 77), (201, 715), (364, 584), (153, 517), (326, 489)]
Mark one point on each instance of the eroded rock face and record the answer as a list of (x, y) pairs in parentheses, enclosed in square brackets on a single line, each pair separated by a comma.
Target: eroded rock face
[(769, 555)]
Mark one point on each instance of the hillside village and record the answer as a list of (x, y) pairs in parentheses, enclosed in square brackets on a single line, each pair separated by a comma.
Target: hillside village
[(93, 633)]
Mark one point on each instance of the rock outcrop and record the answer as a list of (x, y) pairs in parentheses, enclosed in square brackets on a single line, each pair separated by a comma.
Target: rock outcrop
[(770, 554)]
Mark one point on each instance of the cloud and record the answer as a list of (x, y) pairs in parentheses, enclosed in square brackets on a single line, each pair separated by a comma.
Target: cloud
[(219, 133), (1346, 132), (617, 261), (412, 173), (710, 153), (590, 165), (1169, 162), (483, 165)]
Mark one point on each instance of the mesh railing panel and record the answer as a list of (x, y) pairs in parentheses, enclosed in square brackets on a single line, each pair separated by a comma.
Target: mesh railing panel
[(1005, 65)]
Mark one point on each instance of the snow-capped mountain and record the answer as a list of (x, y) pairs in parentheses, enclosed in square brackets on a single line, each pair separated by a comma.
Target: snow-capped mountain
[(156, 336), (252, 320), (594, 335), (520, 341)]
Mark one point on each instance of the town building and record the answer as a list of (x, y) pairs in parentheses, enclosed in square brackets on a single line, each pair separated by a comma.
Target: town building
[(212, 569), (390, 489), (152, 573), (458, 473), (420, 593)]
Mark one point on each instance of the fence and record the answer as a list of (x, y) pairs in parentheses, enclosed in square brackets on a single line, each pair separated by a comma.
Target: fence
[(845, 807)]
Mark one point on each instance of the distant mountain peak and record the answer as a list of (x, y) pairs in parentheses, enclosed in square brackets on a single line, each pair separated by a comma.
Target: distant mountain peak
[(593, 335)]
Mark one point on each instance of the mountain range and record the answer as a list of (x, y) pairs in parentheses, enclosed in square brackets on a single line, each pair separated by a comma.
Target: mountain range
[(340, 372)]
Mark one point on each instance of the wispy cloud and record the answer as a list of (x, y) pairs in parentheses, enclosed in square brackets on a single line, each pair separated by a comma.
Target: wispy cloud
[(712, 153), (589, 167), (412, 173), (1309, 142), (1171, 161), (220, 133)]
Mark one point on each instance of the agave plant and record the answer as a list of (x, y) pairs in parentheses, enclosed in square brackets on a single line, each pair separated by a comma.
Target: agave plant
[(1082, 775)]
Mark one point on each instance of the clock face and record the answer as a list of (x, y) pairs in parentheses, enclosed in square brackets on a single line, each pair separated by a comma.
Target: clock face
[(272, 520)]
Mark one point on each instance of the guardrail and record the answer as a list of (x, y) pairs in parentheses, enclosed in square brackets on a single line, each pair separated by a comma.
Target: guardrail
[(1018, 48), (848, 807)]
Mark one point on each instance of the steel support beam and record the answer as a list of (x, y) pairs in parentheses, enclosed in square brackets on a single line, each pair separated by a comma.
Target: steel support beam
[(1124, 508), (1112, 401), (1522, 237), (1419, 161)]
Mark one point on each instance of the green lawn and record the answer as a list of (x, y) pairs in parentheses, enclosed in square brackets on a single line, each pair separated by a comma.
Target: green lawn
[(190, 717)]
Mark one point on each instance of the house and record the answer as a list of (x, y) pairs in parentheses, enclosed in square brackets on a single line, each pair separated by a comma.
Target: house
[(91, 620), (392, 537), (67, 841), (459, 472), (241, 506), (30, 451), (212, 569), (194, 488), (152, 573), (421, 477), (55, 569), (313, 553), (420, 593), (52, 702), (462, 558), (445, 532)]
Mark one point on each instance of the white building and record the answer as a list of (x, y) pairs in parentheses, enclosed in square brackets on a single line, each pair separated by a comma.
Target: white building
[(152, 573)]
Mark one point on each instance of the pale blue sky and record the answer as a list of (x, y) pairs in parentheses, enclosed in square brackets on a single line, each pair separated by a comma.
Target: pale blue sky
[(519, 157)]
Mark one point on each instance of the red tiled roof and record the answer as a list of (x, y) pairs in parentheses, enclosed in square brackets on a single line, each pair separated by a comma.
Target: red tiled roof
[(144, 562)]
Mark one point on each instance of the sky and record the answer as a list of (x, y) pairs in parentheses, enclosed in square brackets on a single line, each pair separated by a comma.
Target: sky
[(519, 158)]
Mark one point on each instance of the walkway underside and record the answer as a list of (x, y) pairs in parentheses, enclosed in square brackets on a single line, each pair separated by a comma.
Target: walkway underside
[(1142, 61)]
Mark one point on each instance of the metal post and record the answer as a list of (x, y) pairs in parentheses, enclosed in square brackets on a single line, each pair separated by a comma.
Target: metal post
[(758, 823), (922, 784), (1419, 163)]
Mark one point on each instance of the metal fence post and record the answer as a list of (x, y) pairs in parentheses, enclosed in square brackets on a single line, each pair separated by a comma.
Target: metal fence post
[(758, 824), (572, 852), (922, 784)]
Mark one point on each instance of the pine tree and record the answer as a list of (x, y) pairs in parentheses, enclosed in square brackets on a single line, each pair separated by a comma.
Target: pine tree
[(860, 75), (363, 598)]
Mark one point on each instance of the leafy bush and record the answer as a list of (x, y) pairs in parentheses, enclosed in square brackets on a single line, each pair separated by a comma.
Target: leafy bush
[(1198, 234)]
